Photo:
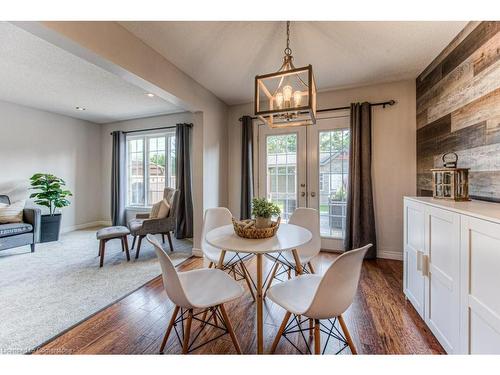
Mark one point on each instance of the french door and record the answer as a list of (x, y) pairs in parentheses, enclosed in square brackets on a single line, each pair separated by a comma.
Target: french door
[(308, 167)]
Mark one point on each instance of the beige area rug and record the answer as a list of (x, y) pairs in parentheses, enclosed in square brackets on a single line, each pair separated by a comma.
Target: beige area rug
[(61, 284)]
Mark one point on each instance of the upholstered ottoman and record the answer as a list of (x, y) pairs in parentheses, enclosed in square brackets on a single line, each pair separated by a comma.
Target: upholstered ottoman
[(110, 233)]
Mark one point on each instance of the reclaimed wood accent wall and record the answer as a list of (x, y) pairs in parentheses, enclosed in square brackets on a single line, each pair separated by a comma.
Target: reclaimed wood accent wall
[(458, 109)]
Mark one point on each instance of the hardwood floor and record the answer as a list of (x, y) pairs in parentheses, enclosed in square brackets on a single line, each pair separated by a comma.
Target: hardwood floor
[(380, 320)]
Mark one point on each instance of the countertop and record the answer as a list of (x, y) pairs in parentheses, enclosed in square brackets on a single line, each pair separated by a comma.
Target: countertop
[(482, 210)]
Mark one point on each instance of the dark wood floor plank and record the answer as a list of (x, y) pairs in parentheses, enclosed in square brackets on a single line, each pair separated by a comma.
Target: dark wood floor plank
[(380, 320)]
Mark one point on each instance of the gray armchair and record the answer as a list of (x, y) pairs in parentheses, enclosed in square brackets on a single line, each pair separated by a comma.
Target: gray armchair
[(143, 225), (21, 234)]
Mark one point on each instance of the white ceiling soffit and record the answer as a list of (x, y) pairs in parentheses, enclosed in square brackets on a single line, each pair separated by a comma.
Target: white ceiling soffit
[(225, 56), (38, 74)]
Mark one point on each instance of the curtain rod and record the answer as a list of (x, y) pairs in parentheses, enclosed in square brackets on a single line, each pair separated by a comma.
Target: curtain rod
[(151, 129), (383, 104)]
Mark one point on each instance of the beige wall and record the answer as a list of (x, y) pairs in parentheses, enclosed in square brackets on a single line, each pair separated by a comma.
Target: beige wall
[(112, 47), (394, 154), (35, 141)]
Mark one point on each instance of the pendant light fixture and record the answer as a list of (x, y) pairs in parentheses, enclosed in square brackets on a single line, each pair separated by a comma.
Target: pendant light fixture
[(287, 97)]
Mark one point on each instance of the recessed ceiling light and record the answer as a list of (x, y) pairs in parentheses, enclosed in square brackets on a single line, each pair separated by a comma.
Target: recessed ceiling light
[(149, 95), (80, 108)]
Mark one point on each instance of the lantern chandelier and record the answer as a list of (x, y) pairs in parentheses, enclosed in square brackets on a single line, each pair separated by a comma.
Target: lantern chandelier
[(287, 97)]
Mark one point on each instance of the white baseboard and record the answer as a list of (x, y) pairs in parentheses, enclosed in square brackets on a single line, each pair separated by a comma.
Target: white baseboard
[(91, 224), (197, 253), (390, 254)]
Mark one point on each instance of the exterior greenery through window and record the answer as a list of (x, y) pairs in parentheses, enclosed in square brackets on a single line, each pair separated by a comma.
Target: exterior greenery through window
[(150, 167), (333, 175), (282, 173)]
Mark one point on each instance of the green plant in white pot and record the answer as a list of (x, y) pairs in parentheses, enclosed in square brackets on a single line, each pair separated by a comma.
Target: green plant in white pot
[(51, 194), (263, 211)]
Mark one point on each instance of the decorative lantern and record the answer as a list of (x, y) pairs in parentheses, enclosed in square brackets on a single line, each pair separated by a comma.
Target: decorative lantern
[(287, 97), (450, 182)]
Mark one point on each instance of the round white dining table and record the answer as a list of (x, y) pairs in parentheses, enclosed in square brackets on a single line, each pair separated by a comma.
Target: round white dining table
[(288, 237)]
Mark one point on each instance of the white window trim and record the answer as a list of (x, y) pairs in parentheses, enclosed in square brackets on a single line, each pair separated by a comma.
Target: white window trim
[(145, 137)]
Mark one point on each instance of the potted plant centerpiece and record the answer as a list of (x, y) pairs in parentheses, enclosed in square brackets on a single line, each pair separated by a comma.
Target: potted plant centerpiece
[(51, 195), (263, 210)]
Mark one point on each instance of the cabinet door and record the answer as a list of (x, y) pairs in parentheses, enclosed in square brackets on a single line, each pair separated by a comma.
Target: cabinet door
[(413, 279), (480, 315), (442, 284)]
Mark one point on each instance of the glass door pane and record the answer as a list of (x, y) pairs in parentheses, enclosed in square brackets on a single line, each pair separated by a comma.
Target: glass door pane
[(281, 167), (333, 175)]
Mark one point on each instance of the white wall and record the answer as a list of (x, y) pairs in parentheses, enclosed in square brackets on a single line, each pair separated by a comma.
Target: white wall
[(34, 141), (394, 154)]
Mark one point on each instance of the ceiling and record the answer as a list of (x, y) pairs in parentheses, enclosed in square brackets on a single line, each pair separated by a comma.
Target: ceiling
[(225, 56), (38, 74)]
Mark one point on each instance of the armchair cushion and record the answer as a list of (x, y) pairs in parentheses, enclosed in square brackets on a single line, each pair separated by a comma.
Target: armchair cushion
[(13, 229)]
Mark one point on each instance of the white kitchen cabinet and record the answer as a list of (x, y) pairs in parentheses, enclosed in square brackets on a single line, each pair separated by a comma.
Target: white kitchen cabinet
[(480, 315), (414, 246), (452, 271), (442, 268)]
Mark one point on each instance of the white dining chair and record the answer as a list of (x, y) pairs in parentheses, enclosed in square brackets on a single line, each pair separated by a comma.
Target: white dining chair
[(196, 293), (234, 263), (318, 298), (285, 262)]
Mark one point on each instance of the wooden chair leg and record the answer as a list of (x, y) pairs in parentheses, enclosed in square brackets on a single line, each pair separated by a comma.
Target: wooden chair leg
[(311, 267), (133, 243), (102, 247), (311, 328), (317, 337), (169, 329), (247, 279), (230, 329), (280, 332), (138, 247), (125, 247), (204, 317), (271, 278), (210, 264), (170, 241), (187, 331), (216, 321), (347, 335)]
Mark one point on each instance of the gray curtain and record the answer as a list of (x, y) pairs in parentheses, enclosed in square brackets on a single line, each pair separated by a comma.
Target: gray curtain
[(360, 217), (246, 167), (184, 225), (118, 183)]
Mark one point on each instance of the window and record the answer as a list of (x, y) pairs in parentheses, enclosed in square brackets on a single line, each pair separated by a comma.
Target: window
[(333, 176), (282, 172), (151, 161)]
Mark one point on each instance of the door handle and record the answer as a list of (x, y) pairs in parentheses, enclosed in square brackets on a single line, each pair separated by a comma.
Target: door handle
[(303, 194), (419, 260), (425, 265), (313, 194)]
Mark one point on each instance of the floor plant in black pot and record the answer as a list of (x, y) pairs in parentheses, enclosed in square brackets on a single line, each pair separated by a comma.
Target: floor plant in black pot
[(51, 194)]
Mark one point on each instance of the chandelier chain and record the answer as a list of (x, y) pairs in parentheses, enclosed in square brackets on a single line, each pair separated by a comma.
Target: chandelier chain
[(288, 51)]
